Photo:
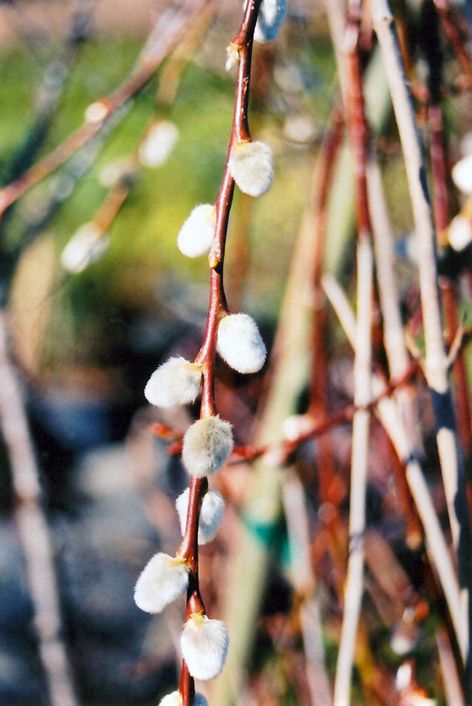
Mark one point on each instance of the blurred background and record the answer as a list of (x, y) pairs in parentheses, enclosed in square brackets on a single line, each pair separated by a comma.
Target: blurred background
[(89, 323)]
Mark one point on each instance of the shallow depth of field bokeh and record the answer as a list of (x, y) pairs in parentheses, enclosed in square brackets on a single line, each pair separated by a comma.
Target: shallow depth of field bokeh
[(86, 343)]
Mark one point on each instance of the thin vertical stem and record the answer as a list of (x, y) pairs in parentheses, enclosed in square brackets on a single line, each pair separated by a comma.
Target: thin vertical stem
[(436, 364), (395, 346), (34, 533), (390, 418), (358, 136)]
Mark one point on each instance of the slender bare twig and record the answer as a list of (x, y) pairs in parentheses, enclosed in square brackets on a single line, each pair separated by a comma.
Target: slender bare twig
[(358, 136), (34, 533), (165, 36), (304, 583), (395, 345), (441, 191), (455, 36), (389, 416), (318, 383), (436, 365)]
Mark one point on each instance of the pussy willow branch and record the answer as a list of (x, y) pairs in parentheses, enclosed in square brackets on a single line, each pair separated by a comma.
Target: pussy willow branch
[(33, 531), (358, 135), (217, 304), (436, 367), (289, 446), (167, 33)]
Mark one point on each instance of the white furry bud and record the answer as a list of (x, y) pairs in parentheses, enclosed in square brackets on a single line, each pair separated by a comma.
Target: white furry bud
[(175, 699), (175, 382), (163, 579), (158, 143), (204, 645), (250, 164), (211, 514), (460, 233), (86, 247), (96, 112), (196, 235), (271, 16), (462, 174), (207, 445), (240, 343)]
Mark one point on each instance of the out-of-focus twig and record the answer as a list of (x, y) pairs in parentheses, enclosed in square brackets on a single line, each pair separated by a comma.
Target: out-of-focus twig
[(358, 136), (304, 583), (394, 340), (389, 416), (454, 34), (436, 367), (34, 532), (164, 37)]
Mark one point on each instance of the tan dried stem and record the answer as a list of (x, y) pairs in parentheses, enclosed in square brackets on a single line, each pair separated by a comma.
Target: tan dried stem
[(389, 415), (394, 340), (33, 530), (436, 364), (356, 123)]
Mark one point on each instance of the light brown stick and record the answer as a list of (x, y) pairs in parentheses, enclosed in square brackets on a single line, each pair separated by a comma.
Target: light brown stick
[(33, 530)]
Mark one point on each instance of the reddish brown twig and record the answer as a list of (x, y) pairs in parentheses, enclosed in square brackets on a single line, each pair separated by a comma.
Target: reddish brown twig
[(217, 304), (455, 36), (289, 446), (167, 33), (318, 407), (441, 182)]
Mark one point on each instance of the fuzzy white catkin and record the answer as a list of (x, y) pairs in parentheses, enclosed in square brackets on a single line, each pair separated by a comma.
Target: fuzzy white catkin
[(211, 514), (162, 580), (240, 344), (204, 644), (87, 246), (207, 444), (460, 233), (462, 174), (271, 16), (250, 164), (196, 235), (177, 381), (175, 699), (158, 143)]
